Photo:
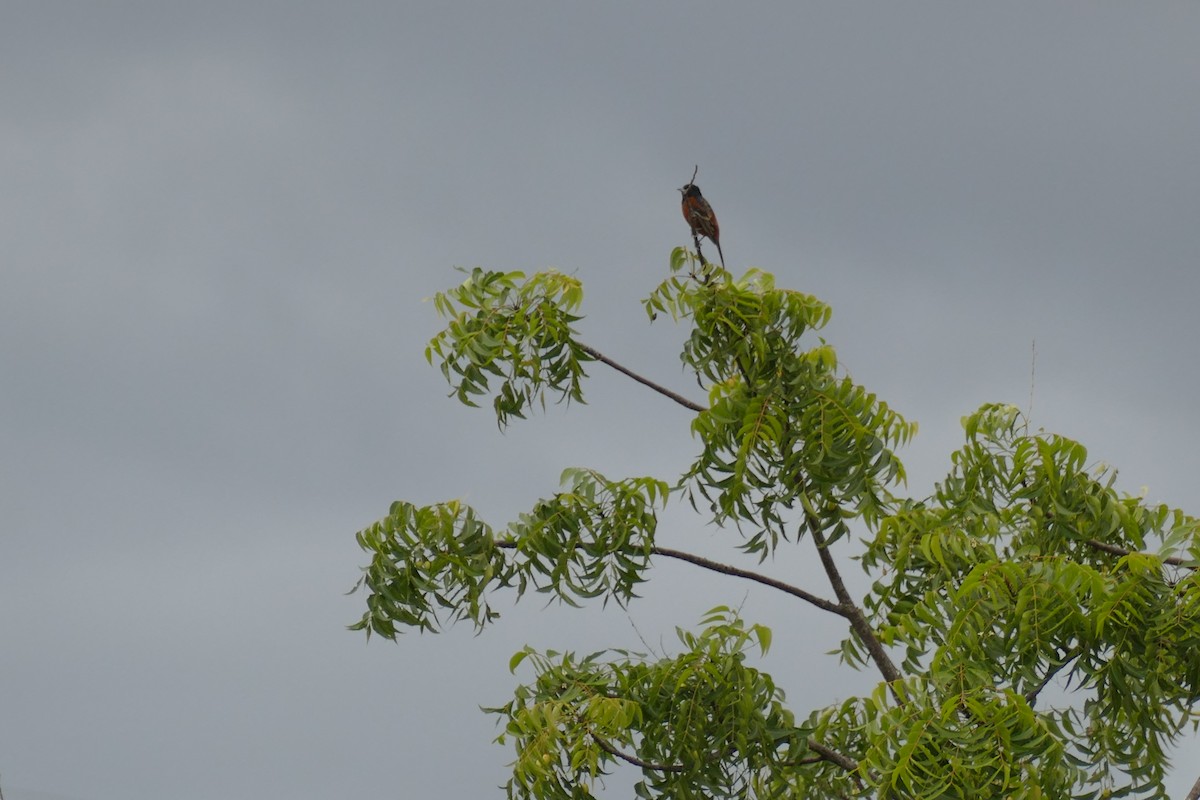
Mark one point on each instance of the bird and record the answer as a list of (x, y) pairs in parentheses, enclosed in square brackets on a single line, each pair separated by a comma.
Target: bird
[(700, 217)]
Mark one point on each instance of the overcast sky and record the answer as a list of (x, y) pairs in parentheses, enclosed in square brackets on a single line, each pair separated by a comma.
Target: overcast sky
[(219, 222)]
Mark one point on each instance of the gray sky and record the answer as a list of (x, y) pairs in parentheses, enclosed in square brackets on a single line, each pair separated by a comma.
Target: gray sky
[(219, 222)]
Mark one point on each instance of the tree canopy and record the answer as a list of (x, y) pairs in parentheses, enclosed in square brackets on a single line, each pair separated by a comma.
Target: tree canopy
[(1024, 568)]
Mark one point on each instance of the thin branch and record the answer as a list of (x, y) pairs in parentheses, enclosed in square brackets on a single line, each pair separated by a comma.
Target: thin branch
[(637, 762), (851, 611), (1121, 551), (823, 752), (664, 391), (736, 572), (1032, 695), (726, 569)]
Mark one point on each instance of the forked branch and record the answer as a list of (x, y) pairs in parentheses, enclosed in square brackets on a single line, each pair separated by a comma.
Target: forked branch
[(851, 610)]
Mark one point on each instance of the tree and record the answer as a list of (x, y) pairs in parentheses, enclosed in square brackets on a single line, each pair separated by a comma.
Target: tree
[(1022, 569)]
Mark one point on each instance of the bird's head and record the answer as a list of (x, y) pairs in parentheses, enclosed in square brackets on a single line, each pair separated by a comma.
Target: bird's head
[(691, 190)]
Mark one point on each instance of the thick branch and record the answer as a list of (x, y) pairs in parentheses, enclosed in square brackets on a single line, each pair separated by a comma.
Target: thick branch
[(858, 620), (1121, 551), (833, 756), (726, 569), (1194, 794), (664, 391)]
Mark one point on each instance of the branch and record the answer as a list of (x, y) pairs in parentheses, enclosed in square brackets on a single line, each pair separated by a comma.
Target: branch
[(1032, 695), (845, 607), (823, 754), (833, 756), (726, 569), (699, 252), (637, 762), (678, 398), (850, 609), (1194, 794), (1121, 551), (736, 572)]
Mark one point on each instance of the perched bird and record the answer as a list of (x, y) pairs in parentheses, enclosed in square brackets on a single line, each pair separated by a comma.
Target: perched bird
[(700, 217)]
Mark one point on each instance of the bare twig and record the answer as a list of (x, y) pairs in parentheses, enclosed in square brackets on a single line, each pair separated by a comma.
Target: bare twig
[(664, 391)]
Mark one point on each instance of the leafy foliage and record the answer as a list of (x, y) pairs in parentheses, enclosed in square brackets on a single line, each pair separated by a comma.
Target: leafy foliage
[(427, 559), (502, 326), (1047, 625), (594, 538), (782, 427), (936, 740), (1008, 577), (704, 722)]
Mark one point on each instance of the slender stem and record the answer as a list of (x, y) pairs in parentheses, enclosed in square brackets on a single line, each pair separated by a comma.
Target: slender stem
[(664, 391), (1194, 794)]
